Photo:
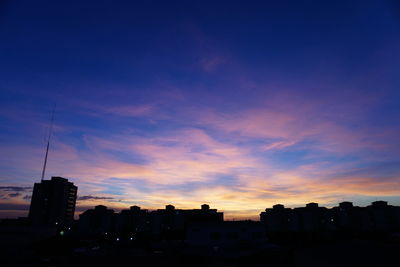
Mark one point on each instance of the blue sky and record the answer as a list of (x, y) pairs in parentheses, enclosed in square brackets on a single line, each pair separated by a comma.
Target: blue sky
[(238, 104)]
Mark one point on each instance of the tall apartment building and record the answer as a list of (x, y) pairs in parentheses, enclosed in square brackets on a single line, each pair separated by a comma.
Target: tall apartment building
[(53, 203)]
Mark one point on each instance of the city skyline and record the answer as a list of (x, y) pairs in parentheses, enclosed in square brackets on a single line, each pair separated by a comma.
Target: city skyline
[(238, 105)]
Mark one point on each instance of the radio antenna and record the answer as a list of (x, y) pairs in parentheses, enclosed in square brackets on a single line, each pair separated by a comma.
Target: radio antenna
[(48, 143)]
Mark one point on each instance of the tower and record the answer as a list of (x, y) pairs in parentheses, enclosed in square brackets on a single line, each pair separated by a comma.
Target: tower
[(53, 203)]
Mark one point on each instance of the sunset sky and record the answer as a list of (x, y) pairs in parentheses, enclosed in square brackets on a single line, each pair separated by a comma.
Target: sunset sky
[(238, 104)]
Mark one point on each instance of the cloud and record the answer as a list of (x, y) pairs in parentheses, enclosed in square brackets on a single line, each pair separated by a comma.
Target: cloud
[(14, 206), (15, 188), (14, 194), (278, 145), (189, 166), (287, 149), (89, 197)]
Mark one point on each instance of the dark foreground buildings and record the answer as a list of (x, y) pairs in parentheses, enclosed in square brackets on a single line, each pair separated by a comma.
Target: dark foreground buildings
[(304, 236), (53, 203), (207, 224), (345, 235)]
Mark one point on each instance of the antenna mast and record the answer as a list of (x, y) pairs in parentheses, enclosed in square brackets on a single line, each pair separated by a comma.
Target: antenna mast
[(48, 143)]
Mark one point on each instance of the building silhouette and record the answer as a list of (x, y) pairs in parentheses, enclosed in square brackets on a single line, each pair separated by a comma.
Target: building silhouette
[(346, 218), (99, 220), (168, 223), (171, 222), (53, 203), (132, 221), (276, 219)]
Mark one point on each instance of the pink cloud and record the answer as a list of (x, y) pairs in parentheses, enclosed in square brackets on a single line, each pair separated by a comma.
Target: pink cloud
[(195, 155), (278, 145)]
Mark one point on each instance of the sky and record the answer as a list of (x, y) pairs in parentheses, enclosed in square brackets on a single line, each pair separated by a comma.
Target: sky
[(237, 104)]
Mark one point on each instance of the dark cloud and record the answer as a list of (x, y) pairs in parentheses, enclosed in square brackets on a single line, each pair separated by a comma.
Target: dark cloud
[(93, 197), (12, 206), (14, 194), (15, 188), (8, 192)]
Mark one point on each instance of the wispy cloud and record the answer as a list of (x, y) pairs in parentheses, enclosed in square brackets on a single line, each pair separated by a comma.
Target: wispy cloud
[(287, 149)]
